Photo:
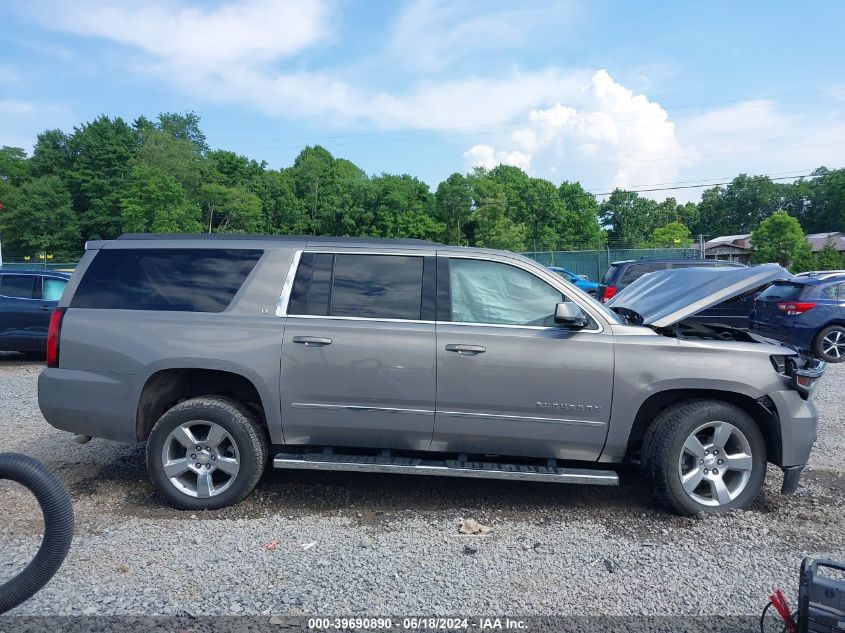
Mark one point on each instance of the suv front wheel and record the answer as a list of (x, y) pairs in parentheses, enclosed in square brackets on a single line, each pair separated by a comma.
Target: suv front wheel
[(206, 453), (705, 456)]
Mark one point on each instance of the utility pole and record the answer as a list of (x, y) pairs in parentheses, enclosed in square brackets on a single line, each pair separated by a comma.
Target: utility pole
[(701, 244)]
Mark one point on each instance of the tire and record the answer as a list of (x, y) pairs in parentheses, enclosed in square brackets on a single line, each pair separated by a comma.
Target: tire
[(231, 457), (830, 344), (725, 442), (57, 510)]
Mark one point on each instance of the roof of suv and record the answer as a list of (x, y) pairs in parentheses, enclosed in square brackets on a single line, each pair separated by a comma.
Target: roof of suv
[(677, 260), (236, 240), (308, 239), (36, 271)]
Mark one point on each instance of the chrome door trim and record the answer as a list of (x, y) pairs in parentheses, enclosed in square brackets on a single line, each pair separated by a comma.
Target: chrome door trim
[(346, 407), (351, 318), (497, 416), (284, 297)]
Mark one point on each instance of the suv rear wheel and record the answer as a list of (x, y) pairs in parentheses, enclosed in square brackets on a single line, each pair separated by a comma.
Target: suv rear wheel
[(705, 456), (206, 453), (830, 344)]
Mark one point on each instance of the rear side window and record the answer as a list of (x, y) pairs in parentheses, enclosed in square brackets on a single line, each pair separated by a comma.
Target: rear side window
[(834, 291), (781, 292), (635, 271), (53, 288), (364, 286), (187, 280), (18, 286)]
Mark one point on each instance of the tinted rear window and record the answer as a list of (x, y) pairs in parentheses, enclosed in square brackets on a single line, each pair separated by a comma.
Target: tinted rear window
[(781, 292), (188, 280), (635, 271)]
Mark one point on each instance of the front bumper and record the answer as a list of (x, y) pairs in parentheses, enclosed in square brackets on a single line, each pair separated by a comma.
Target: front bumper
[(798, 423)]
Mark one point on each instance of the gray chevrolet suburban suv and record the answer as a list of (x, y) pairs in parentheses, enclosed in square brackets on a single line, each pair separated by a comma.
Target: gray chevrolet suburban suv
[(413, 357)]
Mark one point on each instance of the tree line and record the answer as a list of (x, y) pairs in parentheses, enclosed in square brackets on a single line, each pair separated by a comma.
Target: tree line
[(108, 176)]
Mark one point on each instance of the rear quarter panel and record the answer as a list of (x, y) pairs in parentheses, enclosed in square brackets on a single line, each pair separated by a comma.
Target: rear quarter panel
[(244, 339)]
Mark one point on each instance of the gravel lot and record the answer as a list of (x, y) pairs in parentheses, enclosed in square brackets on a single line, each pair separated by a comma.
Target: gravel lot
[(385, 544)]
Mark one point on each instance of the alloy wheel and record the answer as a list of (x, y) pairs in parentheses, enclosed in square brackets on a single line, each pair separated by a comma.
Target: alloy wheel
[(715, 463), (833, 344), (200, 459)]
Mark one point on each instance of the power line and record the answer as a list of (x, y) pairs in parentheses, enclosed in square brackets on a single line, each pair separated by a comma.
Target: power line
[(713, 184), (708, 180)]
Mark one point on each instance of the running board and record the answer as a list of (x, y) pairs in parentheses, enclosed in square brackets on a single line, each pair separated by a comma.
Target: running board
[(445, 467)]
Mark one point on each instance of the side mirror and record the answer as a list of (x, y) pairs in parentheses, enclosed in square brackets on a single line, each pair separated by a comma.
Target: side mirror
[(569, 315)]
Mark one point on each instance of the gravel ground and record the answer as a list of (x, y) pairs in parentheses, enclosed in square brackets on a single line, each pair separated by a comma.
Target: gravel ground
[(385, 544)]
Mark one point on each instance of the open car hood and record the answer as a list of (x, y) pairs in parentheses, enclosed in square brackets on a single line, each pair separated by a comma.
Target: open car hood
[(666, 297)]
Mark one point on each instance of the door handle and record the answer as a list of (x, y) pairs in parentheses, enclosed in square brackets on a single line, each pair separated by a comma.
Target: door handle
[(46, 308), (312, 341), (466, 350)]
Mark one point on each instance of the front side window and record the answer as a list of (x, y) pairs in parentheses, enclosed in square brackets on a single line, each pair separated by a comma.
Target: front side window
[(363, 286), (18, 286), (496, 293), (53, 289)]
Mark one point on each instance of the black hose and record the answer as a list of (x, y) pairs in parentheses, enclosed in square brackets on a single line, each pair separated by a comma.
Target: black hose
[(57, 510)]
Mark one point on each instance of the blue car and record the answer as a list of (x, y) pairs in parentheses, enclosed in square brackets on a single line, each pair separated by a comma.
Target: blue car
[(807, 311), (590, 287), (27, 299)]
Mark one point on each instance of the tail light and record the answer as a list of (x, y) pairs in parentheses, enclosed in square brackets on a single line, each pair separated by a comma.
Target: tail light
[(53, 337), (609, 293), (791, 308)]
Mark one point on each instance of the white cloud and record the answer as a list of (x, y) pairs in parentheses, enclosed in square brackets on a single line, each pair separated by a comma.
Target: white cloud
[(431, 34), (606, 130), (247, 32), (231, 54)]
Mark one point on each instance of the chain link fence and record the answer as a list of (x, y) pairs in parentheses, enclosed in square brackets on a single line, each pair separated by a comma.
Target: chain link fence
[(593, 264)]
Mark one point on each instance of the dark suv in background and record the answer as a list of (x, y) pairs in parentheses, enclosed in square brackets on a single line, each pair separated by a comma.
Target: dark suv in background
[(622, 274), (27, 298)]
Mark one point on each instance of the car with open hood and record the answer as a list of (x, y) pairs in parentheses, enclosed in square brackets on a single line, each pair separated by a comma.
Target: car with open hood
[(226, 352)]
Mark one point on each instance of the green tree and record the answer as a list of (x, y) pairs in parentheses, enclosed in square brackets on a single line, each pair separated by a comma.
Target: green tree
[(777, 239), (629, 217), (740, 206), (184, 127), (804, 259), (827, 207), (496, 230), (51, 155), (583, 230), (402, 206), (40, 218), (154, 201), (829, 258), (13, 165), (176, 157), (230, 209), (453, 207), (101, 153), (673, 235)]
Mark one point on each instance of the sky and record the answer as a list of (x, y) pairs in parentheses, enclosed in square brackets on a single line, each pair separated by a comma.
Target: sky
[(641, 95)]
